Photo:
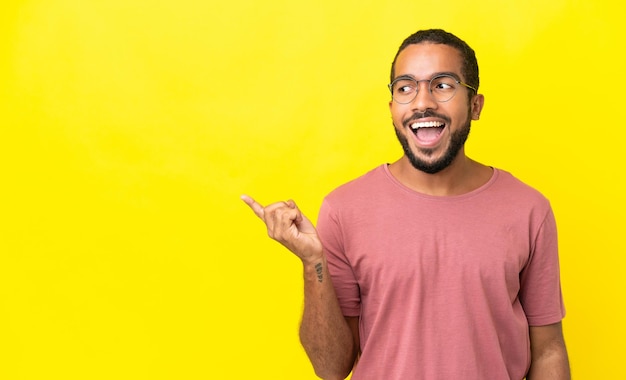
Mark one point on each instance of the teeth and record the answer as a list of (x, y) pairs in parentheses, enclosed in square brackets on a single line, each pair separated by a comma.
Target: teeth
[(427, 124)]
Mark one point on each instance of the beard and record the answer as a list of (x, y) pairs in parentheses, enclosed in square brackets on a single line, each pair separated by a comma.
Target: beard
[(457, 140)]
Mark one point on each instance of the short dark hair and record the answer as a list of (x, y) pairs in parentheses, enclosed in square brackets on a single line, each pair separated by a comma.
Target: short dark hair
[(439, 36)]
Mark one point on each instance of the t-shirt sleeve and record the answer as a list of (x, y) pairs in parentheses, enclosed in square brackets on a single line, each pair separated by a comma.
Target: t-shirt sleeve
[(342, 275), (540, 292)]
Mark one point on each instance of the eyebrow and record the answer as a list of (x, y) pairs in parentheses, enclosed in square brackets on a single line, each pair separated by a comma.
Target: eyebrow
[(409, 76)]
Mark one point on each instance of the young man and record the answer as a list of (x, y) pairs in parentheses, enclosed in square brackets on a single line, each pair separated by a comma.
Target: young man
[(440, 267)]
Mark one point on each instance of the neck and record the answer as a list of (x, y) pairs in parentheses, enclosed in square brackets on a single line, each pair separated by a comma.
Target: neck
[(461, 176)]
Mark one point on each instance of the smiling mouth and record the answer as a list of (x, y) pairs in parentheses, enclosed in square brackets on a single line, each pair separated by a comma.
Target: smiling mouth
[(427, 131)]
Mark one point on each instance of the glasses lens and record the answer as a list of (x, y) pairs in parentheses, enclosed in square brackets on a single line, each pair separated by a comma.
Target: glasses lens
[(404, 90), (443, 88)]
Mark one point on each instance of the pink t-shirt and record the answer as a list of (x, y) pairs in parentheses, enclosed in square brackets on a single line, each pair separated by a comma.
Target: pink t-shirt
[(445, 287)]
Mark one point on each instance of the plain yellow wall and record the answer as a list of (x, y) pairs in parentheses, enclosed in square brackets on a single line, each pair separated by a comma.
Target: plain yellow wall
[(130, 128)]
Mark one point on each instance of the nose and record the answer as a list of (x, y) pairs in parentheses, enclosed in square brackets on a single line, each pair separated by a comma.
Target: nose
[(423, 99)]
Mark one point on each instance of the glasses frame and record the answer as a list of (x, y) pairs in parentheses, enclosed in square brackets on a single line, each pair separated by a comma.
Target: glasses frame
[(430, 91)]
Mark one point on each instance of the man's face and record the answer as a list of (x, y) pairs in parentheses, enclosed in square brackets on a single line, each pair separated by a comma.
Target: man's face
[(432, 133)]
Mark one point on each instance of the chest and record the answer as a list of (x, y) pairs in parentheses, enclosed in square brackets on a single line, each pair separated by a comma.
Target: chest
[(435, 248)]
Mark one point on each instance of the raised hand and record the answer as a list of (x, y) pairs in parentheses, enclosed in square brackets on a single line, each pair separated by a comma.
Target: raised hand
[(287, 225)]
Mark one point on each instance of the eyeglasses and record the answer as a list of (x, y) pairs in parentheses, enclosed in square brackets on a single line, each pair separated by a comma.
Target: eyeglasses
[(441, 88)]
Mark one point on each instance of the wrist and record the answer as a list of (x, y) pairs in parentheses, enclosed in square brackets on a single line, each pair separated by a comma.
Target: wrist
[(313, 260), (315, 268)]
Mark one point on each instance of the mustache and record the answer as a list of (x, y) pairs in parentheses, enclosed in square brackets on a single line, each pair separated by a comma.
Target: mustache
[(420, 115)]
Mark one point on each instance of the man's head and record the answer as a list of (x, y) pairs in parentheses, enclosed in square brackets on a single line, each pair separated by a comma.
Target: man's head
[(434, 79)]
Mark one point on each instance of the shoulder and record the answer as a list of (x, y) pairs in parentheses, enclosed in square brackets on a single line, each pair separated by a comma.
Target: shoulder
[(506, 182), (360, 188), (510, 194), (359, 198)]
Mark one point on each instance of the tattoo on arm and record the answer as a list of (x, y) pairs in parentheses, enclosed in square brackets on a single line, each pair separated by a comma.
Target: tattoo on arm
[(319, 271)]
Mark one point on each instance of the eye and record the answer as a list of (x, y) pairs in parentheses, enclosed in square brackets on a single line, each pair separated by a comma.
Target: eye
[(403, 87), (443, 84)]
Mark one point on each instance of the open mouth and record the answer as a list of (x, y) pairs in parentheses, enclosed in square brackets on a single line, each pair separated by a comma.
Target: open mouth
[(428, 131)]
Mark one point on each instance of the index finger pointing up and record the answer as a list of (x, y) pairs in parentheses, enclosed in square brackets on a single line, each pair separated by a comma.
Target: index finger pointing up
[(254, 205)]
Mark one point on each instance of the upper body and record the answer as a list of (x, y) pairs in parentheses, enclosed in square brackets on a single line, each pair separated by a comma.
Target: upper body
[(444, 287), (434, 85)]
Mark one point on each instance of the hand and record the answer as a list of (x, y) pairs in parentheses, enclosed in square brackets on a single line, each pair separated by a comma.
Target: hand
[(287, 225)]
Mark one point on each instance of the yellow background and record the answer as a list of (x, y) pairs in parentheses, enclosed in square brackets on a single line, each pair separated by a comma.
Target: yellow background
[(130, 128)]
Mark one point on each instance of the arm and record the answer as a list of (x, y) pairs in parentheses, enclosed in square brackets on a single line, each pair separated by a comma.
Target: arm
[(325, 334), (548, 353)]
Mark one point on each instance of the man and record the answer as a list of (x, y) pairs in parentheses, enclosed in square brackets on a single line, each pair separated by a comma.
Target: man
[(441, 267)]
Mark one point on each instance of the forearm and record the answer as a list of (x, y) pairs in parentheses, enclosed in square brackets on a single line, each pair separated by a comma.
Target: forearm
[(324, 333)]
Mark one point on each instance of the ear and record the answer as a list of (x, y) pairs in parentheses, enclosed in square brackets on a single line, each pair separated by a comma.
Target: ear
[(478, 101)]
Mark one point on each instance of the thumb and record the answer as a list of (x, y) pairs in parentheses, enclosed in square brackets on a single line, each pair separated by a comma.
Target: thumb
[(301, 221)]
